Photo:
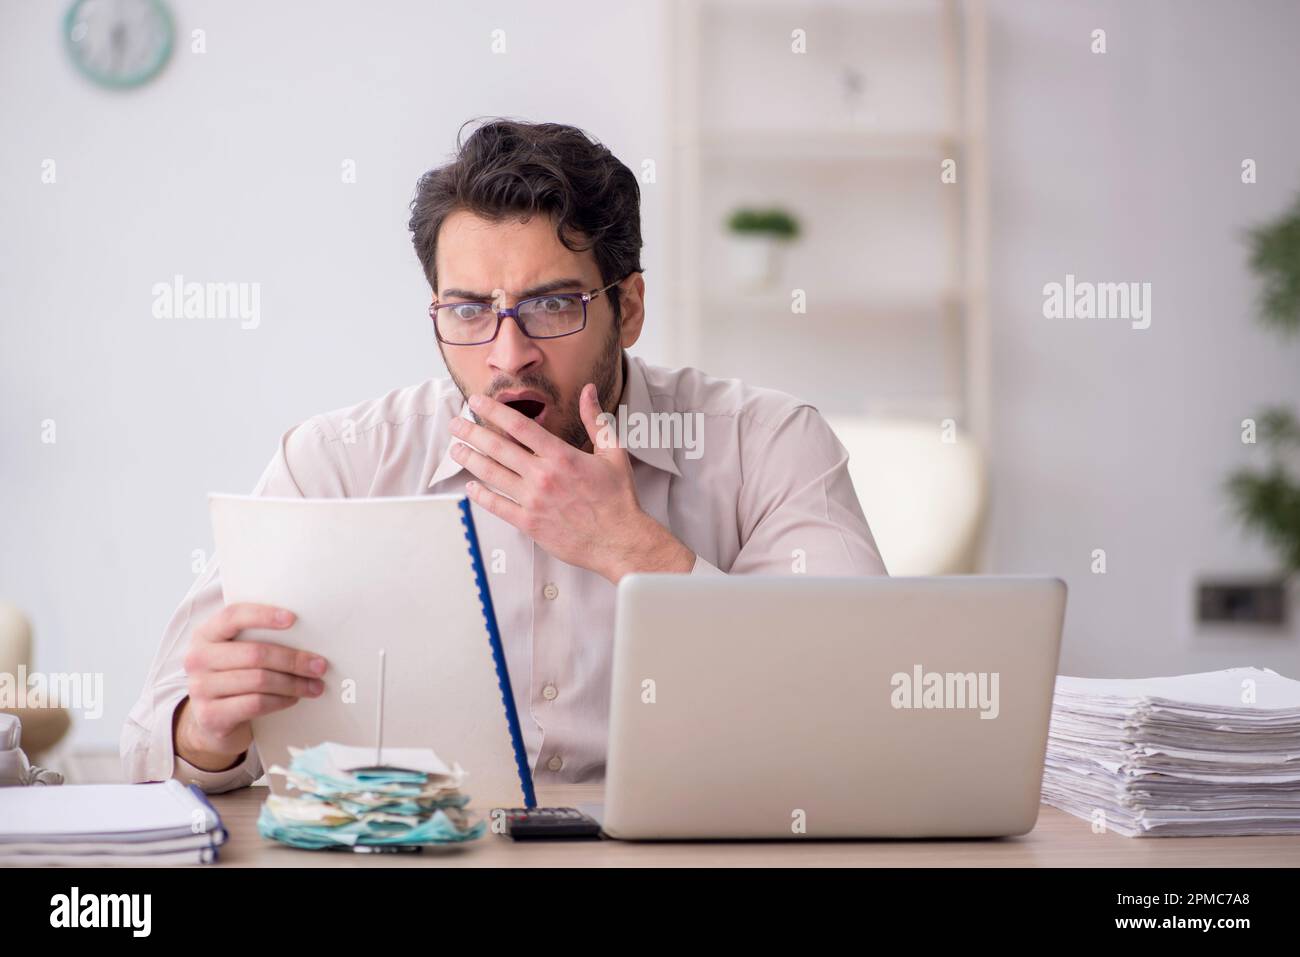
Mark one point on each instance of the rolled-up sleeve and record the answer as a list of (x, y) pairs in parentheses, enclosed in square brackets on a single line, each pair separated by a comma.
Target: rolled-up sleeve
[(304, 465), (798, 510)]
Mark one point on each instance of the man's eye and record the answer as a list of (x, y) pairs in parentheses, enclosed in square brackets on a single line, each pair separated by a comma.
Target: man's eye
[(467, 311), (554, 304)]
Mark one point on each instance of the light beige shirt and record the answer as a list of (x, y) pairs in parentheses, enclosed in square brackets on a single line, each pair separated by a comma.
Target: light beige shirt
[(758, 483)]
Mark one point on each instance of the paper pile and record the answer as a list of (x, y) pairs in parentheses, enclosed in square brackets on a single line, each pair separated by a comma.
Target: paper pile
[(407, 797), (1201, 754)]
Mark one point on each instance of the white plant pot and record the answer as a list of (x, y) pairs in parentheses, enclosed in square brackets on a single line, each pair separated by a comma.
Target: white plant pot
[(755, 259)]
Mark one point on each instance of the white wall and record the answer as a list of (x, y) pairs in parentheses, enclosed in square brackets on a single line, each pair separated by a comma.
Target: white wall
[(1126, 166), (227, 168), (1116, 167)]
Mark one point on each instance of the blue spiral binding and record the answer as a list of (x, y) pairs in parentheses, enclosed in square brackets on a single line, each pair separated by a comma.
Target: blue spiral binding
[(498, 656)]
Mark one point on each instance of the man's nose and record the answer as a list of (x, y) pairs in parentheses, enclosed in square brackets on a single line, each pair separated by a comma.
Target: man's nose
[(512, 351)]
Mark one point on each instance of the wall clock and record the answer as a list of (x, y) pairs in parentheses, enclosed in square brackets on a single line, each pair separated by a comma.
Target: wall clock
[(118, 43)]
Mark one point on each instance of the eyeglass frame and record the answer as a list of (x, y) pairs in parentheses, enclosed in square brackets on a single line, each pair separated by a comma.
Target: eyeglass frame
[(584, 297)]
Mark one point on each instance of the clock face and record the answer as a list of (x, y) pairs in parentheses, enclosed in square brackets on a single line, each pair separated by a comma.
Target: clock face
[(118, 43)]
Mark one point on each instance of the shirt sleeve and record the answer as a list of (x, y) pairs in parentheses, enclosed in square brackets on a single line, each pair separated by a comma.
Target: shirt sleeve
[(798, 510), (705, 568), (304, 465)]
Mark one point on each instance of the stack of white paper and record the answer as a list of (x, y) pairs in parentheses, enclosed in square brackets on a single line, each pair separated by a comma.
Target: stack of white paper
[(1202, 754)]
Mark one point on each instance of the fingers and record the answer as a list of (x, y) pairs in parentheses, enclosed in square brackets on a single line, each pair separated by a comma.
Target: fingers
[(495, 446), (257, 655), (230, 713), (233, 619), (213, 647), (518, 426), (242, 681), (499, 505), (232, 682), (488, 470)]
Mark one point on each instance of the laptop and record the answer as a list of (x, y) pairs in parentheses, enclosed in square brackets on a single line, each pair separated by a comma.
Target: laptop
[(806, 708)]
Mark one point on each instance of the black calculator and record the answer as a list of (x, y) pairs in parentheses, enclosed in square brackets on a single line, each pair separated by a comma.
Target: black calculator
[(549, 823)]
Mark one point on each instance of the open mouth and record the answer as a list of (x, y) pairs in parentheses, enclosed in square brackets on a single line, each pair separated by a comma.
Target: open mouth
[(531, 404), (529, 407)]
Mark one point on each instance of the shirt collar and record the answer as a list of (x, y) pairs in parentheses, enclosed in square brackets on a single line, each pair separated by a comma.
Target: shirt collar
[(449, 466), (636, 399)]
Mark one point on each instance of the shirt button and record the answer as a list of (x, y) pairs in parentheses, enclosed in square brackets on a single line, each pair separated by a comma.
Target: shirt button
[(551, 591), (549, 692), (555, 763)]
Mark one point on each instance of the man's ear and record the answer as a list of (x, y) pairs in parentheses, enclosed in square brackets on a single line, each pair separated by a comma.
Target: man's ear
[(632, 304)]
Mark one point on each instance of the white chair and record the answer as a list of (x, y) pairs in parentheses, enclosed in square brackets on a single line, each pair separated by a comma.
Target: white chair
[(42, 727), (924, 498)]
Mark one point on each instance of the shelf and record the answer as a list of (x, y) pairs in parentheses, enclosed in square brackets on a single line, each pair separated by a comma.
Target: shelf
[(834, 145), (874, 305), (856, 131), (871, 9)]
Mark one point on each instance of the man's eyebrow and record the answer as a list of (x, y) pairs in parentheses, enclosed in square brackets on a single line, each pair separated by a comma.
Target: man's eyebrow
[(555, 285)]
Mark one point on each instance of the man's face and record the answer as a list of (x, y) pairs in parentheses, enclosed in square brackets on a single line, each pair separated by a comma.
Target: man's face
[(478, 259)]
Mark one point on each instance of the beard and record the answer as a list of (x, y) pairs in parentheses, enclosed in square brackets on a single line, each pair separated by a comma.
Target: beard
[(565, 418)]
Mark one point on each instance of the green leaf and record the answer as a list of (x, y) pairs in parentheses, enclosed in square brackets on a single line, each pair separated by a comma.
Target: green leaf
[(1275, 258), (775, 222), (1278, 426), (1268, 503)]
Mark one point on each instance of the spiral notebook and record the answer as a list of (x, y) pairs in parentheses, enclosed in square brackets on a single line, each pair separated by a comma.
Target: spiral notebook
[(401, 575)]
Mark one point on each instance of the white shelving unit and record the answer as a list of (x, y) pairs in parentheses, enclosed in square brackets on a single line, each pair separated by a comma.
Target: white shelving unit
[(850, 137)]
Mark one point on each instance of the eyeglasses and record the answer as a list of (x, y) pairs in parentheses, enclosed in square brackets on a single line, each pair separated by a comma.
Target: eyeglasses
[(542, 317)]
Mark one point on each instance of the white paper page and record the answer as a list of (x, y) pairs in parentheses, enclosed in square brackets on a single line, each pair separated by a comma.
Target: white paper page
[(361, 575), (1210, 690), (98, 811)]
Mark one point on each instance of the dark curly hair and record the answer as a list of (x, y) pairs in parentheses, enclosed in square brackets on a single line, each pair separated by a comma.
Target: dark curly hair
[(513, 167)]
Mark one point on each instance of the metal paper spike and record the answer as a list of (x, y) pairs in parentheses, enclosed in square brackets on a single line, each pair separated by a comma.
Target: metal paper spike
[(379, 719)]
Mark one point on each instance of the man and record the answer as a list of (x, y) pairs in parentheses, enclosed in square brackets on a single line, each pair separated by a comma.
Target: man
[(530, 240)]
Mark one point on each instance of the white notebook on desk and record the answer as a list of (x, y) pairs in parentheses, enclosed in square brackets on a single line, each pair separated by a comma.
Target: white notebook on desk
[(136, 824), (403, 575)]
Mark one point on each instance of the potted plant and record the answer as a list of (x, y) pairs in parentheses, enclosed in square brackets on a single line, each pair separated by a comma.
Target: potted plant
[(1267, 498), (757, 236)]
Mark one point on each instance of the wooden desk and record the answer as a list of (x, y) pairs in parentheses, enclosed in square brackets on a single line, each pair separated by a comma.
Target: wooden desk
[(1059, 840)]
